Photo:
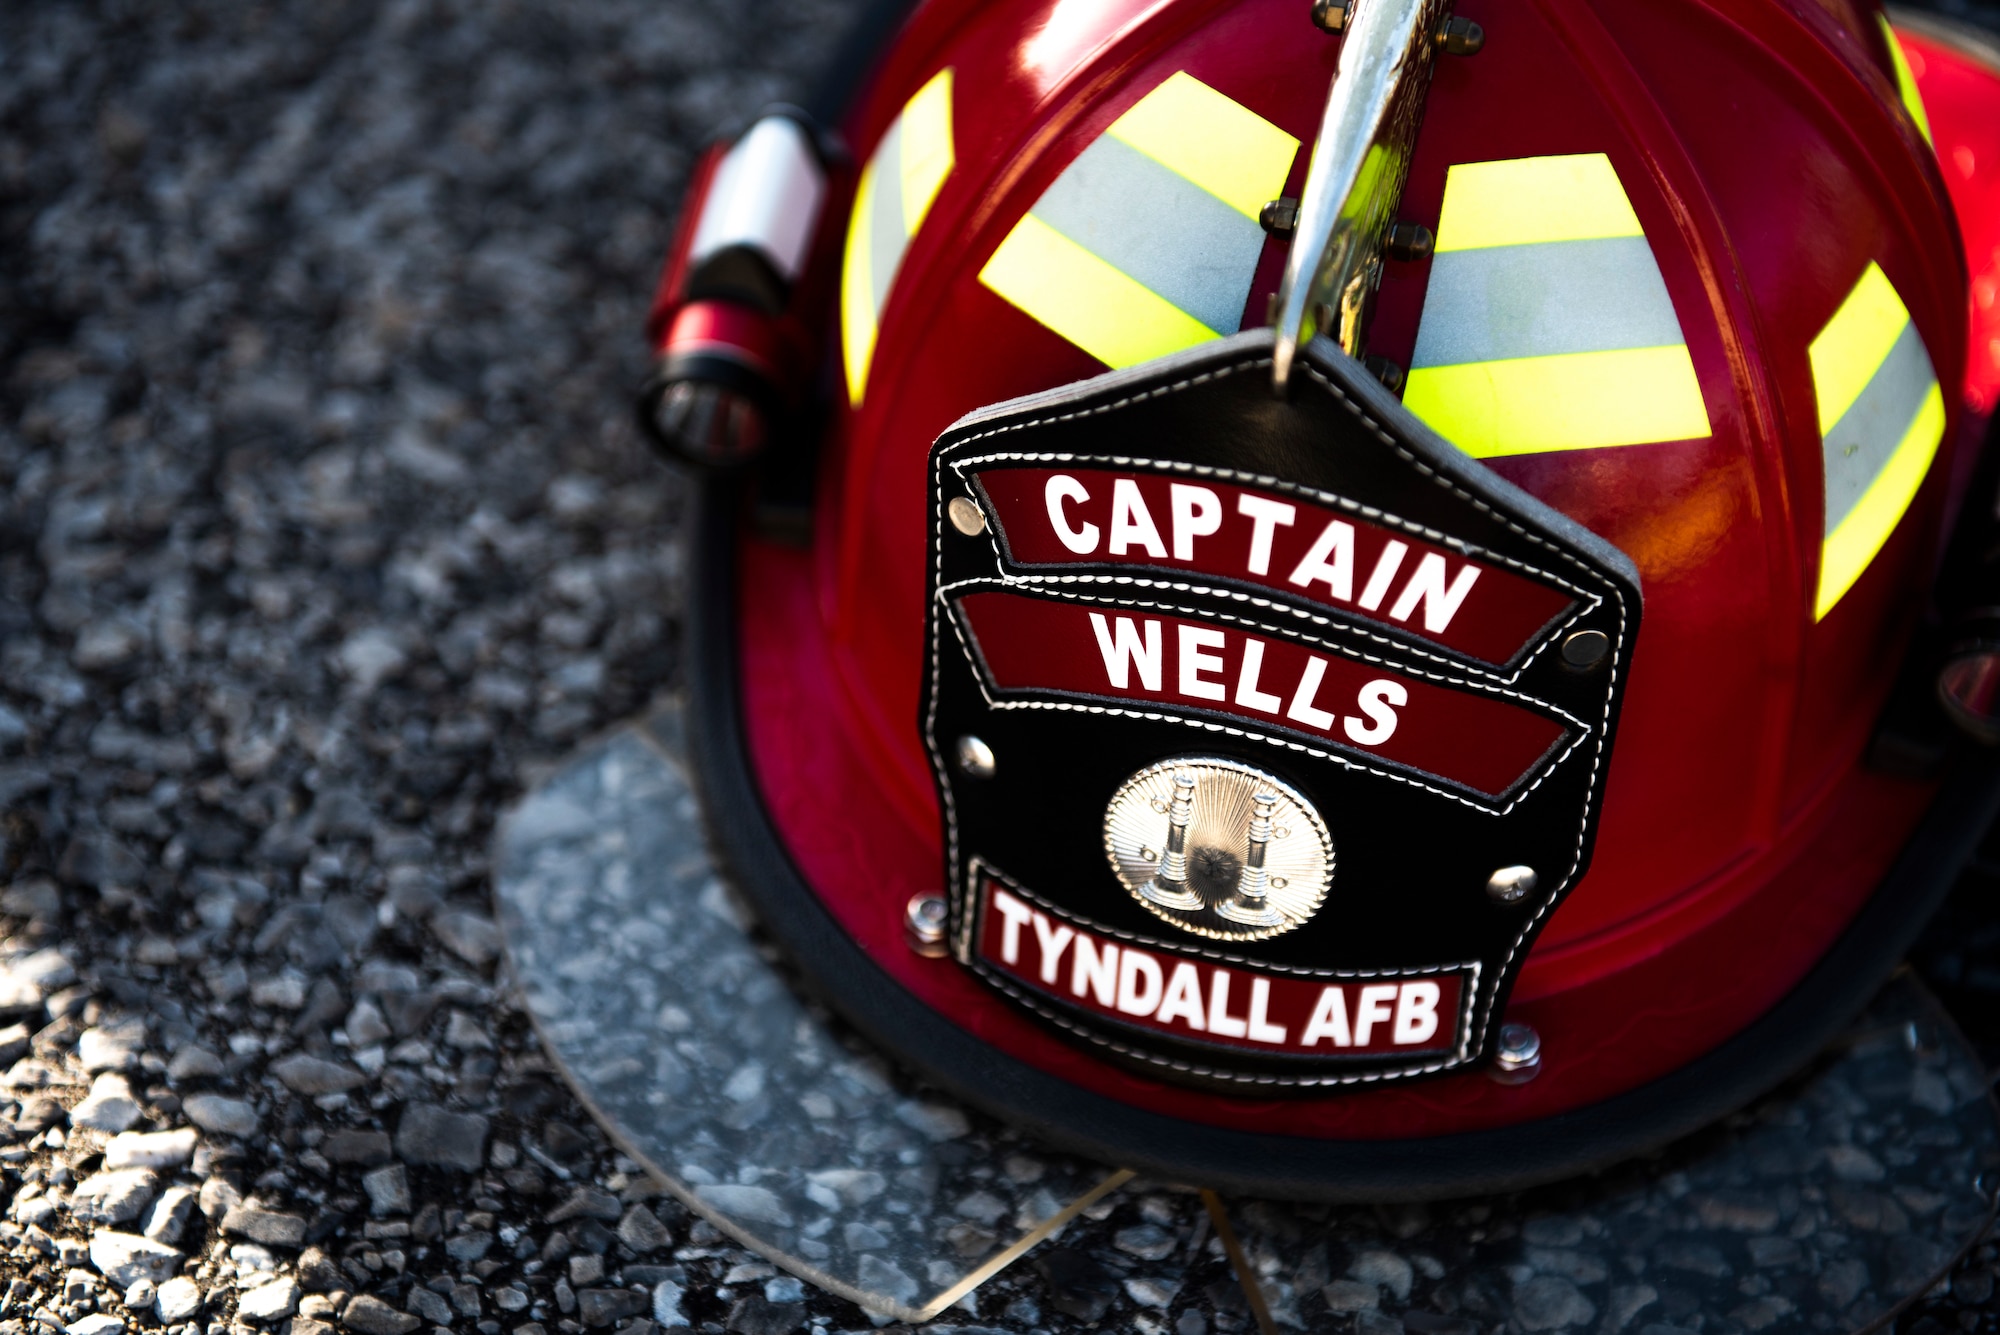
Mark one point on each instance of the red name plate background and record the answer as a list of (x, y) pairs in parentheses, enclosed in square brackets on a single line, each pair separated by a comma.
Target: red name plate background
[(1215, 1003), (1500, 614), (1036, 644)]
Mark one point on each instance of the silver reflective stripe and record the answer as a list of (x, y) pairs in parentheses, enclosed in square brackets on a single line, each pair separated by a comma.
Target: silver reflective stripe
[(1860, 443), (888, 235), (1544, 299), (766, 195), (1159, 228)]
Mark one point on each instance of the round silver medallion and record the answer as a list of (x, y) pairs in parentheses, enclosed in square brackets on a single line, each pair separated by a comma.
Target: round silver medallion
[(1219, 848)]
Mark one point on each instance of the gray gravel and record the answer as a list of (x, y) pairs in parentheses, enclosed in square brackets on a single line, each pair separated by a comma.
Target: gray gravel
[(322, 535), (322, 532)]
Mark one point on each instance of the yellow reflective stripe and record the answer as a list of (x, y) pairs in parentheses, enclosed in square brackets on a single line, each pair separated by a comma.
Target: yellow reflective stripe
[(1569, 401), (1854, 343), (1088, 302), (1523, 200), (1219, 144), (924, 130), (1849, 548), (857, 301), (1906, 82), (927, 148)]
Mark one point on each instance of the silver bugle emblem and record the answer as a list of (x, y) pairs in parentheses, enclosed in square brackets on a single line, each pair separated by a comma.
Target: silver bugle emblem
[(1219, 848)]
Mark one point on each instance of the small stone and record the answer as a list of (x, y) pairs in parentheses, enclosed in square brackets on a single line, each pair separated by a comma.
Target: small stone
[(142, 1295), (104, 862), (273, 1301), (601, 1307), (179, 1300), (107, 643), (284, 991), (429, 1134), (1696, 1257), (759, 1205), (30, 1073), (218, 1197), (642, 1231), (1851, 1163), (125, 1259), (586, 1202), (150, 1149), (1351, 1295), (935, 1121), (223, 1116), (1762, 1313), (27, 981), (1548, 1302), (311, 1076), (467, 1248), (758, 1315), (1078, 1285), (430, 1306), (112, 1047), (469, 936), (667, 1297), (193, 1062), (38, 1113), (168, 1218), (369, 656), (1152, 1292), (1737, 1212), (585, 1269), (109, 1106), (33, 1210), (116, 1196), (388, 1190), (1148, 1242), (1843, 1282), (365, 1024), (97, 1323), (1377, 1266), (363, 1148), (510, 1299), (1774, 1252), (371, 1316), (461, 1031), (310, 1325), (248, 1220), (1627, 1301), (318, 1273)]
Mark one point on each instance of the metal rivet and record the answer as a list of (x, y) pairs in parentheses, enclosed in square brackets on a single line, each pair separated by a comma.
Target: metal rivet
[(975, 757), (1408, 241), (1330, 15), (1461, 37), (1518, 1058), (1386, 371), (1585, 649), (924, 923), (966, 516), (1511, 885), (1280, 217)]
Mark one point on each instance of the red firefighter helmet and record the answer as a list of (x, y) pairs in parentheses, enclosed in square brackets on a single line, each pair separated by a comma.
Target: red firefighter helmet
[(1326, 595)]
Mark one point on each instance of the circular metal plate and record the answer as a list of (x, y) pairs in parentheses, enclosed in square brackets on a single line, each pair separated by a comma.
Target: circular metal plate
[(1824, 1207), (1215, 898)]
